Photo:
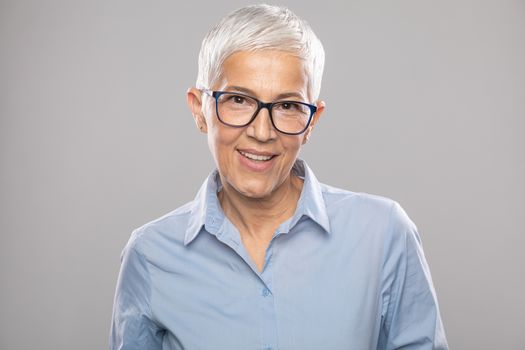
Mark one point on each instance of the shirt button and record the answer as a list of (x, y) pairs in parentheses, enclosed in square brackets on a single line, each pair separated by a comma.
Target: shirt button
[(265, 293)]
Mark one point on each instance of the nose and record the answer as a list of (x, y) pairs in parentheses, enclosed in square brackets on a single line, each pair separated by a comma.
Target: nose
[(262, 128)]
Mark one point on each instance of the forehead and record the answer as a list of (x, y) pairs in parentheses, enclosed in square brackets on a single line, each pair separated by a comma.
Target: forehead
[(266, 72)]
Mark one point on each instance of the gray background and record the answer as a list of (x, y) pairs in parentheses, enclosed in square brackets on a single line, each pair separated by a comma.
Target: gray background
[(426, 105)]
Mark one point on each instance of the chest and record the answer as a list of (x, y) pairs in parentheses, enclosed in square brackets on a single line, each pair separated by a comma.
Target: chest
[(257, 252), (310, 295)]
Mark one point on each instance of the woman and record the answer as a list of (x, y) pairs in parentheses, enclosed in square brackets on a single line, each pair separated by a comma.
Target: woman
[(265, 256)]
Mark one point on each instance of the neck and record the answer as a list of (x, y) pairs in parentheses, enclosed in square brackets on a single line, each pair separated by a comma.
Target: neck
[(258, 218)]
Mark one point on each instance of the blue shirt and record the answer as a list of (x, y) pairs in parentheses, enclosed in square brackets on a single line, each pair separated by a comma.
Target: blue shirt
[(346, 271)]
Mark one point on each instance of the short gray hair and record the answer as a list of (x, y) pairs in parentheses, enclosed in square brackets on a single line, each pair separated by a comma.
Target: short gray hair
[(260, 27)]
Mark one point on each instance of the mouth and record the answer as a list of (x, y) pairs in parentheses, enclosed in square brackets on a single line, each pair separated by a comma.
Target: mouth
[(257, 157)]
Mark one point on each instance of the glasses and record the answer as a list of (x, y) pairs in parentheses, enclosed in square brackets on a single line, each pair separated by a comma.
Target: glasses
[(238, 110)]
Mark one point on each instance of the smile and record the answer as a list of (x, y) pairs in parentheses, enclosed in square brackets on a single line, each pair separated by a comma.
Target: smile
[(256, 157)]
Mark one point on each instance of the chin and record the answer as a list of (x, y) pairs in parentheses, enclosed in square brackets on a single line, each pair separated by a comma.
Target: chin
[(254, 193), (253, 190)]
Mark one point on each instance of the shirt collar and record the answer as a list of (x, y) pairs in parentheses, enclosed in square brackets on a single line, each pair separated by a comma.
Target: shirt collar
[(311, 202), (206, 210)]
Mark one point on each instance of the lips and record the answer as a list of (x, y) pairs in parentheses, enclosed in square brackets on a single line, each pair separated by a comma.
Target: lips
[(256, 161), (257, 156)]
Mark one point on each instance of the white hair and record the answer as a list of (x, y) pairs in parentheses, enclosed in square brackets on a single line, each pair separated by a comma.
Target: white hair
[(261, 27)]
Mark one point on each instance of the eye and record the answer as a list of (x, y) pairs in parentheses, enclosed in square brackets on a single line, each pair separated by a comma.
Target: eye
[(289, 106), (238, 99)]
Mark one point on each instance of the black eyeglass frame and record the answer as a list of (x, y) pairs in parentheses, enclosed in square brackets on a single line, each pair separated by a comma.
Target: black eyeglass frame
[(260, 105)]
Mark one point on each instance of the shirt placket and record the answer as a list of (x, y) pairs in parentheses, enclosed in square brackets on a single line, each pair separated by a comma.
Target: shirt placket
[(228, 234), (269, 340)]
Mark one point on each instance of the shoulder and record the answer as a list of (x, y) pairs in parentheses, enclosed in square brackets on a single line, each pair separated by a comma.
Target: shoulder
[(370, 211), (364, 203), (165, 231)]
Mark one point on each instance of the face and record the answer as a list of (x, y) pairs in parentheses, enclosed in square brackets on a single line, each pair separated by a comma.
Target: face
[(255, 161)]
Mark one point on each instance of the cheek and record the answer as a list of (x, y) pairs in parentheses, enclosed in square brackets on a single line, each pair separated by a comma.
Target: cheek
[(293, 144), (222, 140), (213, 133)]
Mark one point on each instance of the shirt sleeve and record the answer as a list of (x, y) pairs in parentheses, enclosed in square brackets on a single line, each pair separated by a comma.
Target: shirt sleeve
[(410, 318), (132, 326)]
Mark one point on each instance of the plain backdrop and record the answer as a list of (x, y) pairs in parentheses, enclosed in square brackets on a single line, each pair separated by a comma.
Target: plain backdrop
[(425, 105)]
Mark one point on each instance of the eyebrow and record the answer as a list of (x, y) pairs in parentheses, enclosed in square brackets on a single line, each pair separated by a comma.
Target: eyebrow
[(281, 96)]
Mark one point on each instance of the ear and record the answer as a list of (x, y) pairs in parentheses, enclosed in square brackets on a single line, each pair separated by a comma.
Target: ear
[(320, 109), (194, 100)]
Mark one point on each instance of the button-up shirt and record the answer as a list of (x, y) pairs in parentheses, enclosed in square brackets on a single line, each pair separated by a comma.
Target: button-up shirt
[(346, 271)]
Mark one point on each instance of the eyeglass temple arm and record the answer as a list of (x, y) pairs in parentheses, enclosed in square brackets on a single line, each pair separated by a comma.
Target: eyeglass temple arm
[(206, 91)]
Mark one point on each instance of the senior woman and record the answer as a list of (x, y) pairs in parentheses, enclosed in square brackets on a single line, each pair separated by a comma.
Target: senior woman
[(265, 256)]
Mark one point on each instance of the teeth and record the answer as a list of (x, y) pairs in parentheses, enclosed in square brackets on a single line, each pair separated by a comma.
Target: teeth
[(254, 156)]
